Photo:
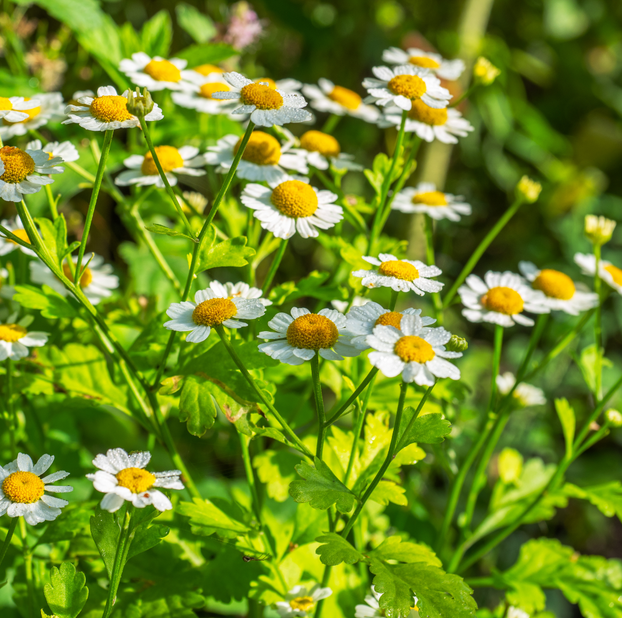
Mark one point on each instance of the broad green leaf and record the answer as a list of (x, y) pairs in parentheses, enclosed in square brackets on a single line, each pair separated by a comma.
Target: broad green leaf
[(66, 593), (607, 498), (275, 470), (198, 25), (51, 304), (206, 518), (70, 523), (105, 532), (587, 364), (388, 491), (156, 35), (48, 234), (426, 429), (321, 488), (393, 548), (196, 406), (145, 537), (335, 550), (567, 419), (156, 228), (232, 252), (208, 53), (79, 15)]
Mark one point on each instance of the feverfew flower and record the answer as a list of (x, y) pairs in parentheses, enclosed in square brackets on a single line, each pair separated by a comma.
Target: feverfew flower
[(485, 72), (372, 607), (243, 290), (202, 100), (322, 150), (404, 84), (302, 335), (107, 111), (15, 339), (122, 476), (415, 351), (16, 227), (400, 275), (445, 69), (212, 307), (49, 107), (525, 395), (158, 73), (501, 299), (327, 97), (515, 612), (342, 305), (558, 288), (66, 151), (436, 204), (292, 205), (301, 602), (528, 189), (267, 106), (599, 229), (610, 274), (22, 490), (263, 160), (13, 109)]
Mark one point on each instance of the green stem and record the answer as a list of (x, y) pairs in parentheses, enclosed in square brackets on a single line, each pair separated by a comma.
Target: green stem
[(319, 404), (27, 556), (118, 565), (51, 202), (343, 408), (360, 419), (598, 331), (415, 416), (323, 584), (331, 122), (496, 362), (276, 262), (7, 539), (356, 218), (429, 251), (11, 408)]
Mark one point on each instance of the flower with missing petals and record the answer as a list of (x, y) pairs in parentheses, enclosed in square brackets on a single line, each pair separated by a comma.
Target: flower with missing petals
[(524, 394), (49, 107), (610, 274), (158, 73), (424, 198), (328, 97), (445, 69)]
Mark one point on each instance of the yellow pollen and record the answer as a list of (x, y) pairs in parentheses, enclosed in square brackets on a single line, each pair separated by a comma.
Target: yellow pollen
[(206, 69), (295, 199), (23, 487), (312, 332), (110, 108), (430, 198), (163, 71), (86, 278), (346, 97), (424, 61), (262, 97), (503, 300), (207, 90), (262, 149), (169, 158), (214, 311), (410, 86), (11, 332), (5, 104), (21, 234), (17, 164), (136, 480), (426, 114), (390, 318), (413, 349), (316, 141), (615, 272), (302, 603), (32, 113), (267, 80), (554, 284), (399, 270)]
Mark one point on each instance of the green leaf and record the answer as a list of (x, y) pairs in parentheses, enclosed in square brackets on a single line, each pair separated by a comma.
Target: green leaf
[(392, 548), (209, 516), (427, 429), (105, 532), (51, 304), (335, 550), (199, 26), (568, 422), (66, 593), (275, 470), (145, 537), (587, 364), (210, 53), (311, 286), (156, 228), (48, 234), (196, 406), (388, 491), (321, 488), (156, 35), (231, 252), (606, 498)]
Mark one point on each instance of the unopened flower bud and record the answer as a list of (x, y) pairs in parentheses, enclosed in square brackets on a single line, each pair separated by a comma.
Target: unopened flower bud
[(614, 417), (457, 344), (138, 104), (528, 189), (485, 72), (510, 465), (194, 201), (599, 229)]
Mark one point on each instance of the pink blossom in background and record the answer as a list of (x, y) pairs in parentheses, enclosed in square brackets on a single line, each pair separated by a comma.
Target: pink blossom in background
[(244, 26)]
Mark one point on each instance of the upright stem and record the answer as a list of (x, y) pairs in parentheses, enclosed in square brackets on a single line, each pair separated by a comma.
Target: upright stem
[(429, 251), (7, 539), (119, 563), (27, 555), (352, 398), (319, 404), (276, 262), (496, 362), (331, 123), (598, 333), (11, 408)]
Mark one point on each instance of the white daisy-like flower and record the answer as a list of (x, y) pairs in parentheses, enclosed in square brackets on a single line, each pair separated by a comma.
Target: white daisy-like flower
[(526, 395), (122, 476), (23, 491), (400, 275), (202, 100), (342, 305), (445, 69), (445, 124), (15, 339), (292, 205), (301, 602), (158, 73), (515, 612), (14, 109), (65, 151), (143, 171), (327, 97), (404, 84), (371, 609), (49, 108), (436, 204), (23, 172), (559, 289), (267, 106), (97, 281), (243, 290), (106, 112), (610, 274), (363, 319), (300, 336), (212, 307), (264, 159), (17, 228), (206, 70), (415, 351), (500, 299), (322, 150), (284, 85)]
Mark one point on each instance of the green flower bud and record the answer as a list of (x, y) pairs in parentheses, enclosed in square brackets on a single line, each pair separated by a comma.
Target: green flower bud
[(138, 104), (599, 229), (614, 418), (528, 189), (457, 344), (485, 72), (510, 465)]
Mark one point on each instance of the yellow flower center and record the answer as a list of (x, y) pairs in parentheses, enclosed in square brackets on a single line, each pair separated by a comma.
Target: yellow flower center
[(615, 272), (32, 113), (110, 108), (346, 97), (262, 149), (163, 71), (430, 198), (391, 318), (11, 332), (410, 86), (424, 62), (214, 311), (554, 284), (136, 480), (267, 80), (312, 332), (316, 141), (262, 97), (302, 603), (413, 349), (206, 69), (169, 158), (22, 234), (295, 199), (207, 90), (23, 487), (399, 270), (426, 114), (85, 280), (5, 104), (503, 300), (17, 164)]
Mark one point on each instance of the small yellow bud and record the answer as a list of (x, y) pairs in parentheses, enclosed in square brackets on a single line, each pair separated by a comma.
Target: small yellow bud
[(614, 417), (528, 189), (485, 72), (457, 344), (138, 104), (599, 229), (510, 465)]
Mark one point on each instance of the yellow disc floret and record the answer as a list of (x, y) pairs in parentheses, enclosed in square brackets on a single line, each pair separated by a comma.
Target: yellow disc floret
[(295, 199), (615, 272), (163, 71), (554, 284), (110, 108), (302, 603), (21, 234), (207, 69), (5, 104), (312, 332), (207, 90), (410, 86), (169, 158), (261, 149), (32, 113), (266, 80), (503, 300), (430, 198), (346, 97), (11, 332), (214, 311), (424, 62), (17, 164), (316, 141), (426, 114), (399, 270), (85, 280), (23, 487), (413, 349), (136, 480), (390, 318), (262, 97)]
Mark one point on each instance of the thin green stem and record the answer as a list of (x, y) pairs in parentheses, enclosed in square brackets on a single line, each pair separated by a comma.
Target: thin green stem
[(496, 362), (27, 556), (356, 218), (11, 408), (276, 262), (118, 565), (415, 416), (331, 122), (429, 251), (7, 539), (598, 330), (343, 408), (51, 202), (323, 584), (319, 404)]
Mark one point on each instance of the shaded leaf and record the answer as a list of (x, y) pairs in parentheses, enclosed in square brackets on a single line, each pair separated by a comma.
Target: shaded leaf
[(196, 407), (105, 532), (211, 53), (198, 25), (567, 419), (156, 228)]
